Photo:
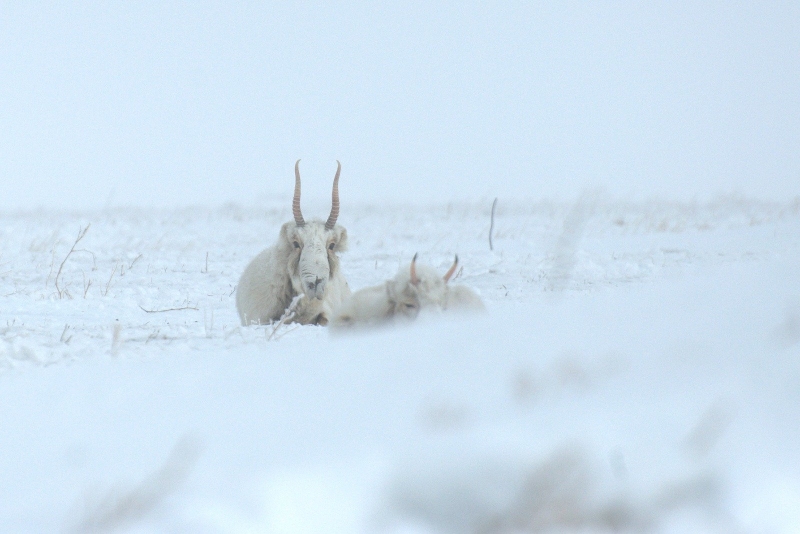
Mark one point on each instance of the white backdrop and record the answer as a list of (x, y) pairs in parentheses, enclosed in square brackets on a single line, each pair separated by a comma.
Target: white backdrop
[(140, 104)]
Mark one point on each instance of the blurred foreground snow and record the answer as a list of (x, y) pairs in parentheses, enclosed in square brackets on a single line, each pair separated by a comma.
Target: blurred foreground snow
[(639, 370)]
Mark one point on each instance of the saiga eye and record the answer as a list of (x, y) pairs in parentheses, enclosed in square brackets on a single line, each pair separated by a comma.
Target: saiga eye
[(296, 244), (331, 246)]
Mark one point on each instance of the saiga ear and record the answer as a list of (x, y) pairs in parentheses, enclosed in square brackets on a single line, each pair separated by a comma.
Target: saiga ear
[(343, 242), (287, 232)]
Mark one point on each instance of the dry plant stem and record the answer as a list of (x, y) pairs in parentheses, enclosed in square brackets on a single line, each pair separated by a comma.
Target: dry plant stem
[(86, 285), (491, 226), (152, 336), (295, 327), (116, 339), (108, 284), (64, 333), (209, 328), (125, 507), (287, 315), (52, 264), (169, 309), (81, 234), (134, 261)]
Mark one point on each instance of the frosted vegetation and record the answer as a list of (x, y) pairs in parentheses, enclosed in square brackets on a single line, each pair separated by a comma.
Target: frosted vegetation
[(637, 371)]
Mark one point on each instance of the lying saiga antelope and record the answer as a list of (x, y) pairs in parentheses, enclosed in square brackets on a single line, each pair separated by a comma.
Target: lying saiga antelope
[(414, 288), (304, 262)]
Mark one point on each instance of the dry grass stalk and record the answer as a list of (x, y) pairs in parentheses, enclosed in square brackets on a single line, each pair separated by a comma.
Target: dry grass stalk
[(187, 307), (86, 284), (64, 339), (81, 235), (116, 338), (287, 316), (137, 258), (209, 327), (491, 226), (118, 509), (108, 284)]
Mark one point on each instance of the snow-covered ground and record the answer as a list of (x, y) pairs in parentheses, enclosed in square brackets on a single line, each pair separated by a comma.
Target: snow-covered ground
[(638, 370)]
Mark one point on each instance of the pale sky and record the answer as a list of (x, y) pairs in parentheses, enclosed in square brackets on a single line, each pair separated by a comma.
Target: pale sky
[(135, 103)]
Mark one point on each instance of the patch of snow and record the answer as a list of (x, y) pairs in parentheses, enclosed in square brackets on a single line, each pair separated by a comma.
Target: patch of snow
[(638, 371)]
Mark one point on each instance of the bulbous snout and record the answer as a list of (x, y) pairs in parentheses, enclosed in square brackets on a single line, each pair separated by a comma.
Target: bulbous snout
[(315, 287), (314, 268)]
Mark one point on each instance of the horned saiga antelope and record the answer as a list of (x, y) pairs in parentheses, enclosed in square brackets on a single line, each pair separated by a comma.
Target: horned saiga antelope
[(303, 262), (413, 289)]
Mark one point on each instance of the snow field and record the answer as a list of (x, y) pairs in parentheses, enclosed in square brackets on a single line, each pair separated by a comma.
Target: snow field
[(638, 370)]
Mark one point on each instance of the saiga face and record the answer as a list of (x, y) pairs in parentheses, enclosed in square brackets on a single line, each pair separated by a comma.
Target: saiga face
[(313, 255)]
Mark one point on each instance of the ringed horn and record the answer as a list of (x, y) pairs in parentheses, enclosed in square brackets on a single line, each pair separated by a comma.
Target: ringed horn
[(335, 199), (298, 214), (449, 273)]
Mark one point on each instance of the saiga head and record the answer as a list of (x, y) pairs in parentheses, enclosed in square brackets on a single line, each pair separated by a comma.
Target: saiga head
[(419, 287), (312, 245)]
